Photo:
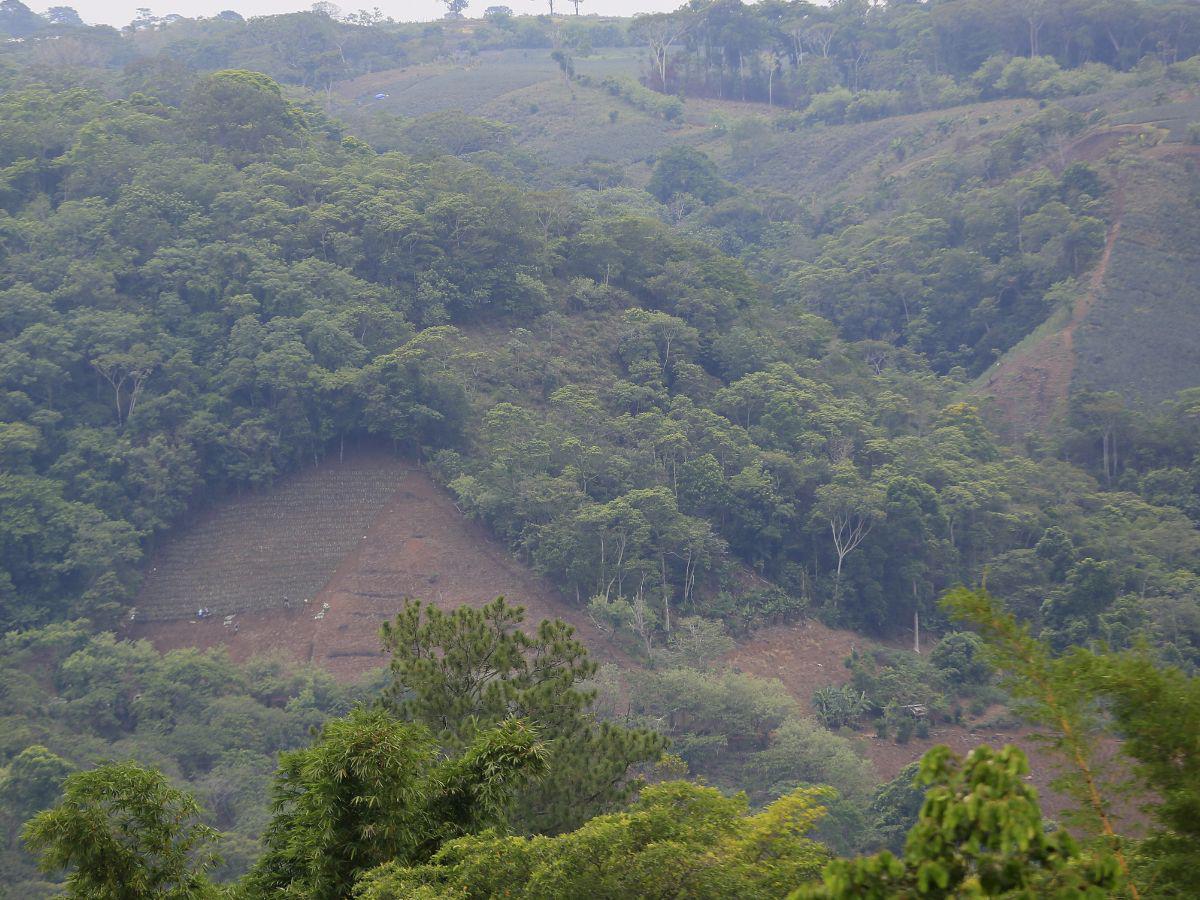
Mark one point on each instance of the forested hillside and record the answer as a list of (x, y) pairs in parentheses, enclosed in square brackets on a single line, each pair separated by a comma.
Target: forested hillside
[(206, 293), (717, 320)]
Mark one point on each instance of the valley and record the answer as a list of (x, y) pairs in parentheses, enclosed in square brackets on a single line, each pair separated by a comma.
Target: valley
[(418, 545)]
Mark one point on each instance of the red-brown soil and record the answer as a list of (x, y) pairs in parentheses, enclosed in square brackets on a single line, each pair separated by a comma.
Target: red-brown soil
[(804, 656), (807, 655), (418, 546)]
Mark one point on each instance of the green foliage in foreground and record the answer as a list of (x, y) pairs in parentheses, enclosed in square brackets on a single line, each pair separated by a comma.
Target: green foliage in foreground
[(376, 807), (1079, 697), (461, 672), (124, 833), (980, 834), (373, 792), (373, 789), (677, 840), (69, 697)]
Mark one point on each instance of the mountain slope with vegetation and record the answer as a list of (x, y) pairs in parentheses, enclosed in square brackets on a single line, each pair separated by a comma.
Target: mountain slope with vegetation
[(716, 320)]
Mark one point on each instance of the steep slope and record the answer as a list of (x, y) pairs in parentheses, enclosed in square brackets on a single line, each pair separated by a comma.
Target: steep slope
[(1138, 337), (1130, 327), (360, 535)]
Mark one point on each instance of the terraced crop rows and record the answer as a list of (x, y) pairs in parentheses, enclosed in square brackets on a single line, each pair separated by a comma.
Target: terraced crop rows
[(418, 90), (255, 550)]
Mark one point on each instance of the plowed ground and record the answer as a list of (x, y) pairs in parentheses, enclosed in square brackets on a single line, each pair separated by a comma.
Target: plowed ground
[(416, 545)]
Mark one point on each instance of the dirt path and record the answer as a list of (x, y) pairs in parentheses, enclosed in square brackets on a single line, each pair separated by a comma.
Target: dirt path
[(1084, 303)]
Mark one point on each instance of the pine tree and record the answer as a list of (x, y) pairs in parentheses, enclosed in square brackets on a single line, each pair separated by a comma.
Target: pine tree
[(463, 671)]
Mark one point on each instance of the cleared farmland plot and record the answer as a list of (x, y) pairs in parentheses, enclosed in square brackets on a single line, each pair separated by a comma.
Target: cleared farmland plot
[(356, 538), (1139, 336), (254, 550), (521, 87), (470, 85)]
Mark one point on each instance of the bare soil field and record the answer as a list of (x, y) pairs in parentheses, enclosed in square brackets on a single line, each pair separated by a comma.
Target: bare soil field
[(803, 655), (252, 550), (409, 541)]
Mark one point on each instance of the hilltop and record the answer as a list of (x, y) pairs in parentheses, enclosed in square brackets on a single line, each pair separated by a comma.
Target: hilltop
[(1136, 137)]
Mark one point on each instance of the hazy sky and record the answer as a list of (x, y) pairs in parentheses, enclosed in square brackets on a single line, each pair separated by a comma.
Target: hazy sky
[(120, 12)]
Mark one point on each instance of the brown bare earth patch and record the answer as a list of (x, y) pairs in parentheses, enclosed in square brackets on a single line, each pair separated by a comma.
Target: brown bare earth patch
[(889, 758), (254, 549), (1028, 385), (1031, 383), (807, 655), (803, 655), (417, 544)]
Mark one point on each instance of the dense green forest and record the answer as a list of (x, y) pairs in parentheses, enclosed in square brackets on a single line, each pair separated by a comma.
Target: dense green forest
[(699, 395), (205, 295)]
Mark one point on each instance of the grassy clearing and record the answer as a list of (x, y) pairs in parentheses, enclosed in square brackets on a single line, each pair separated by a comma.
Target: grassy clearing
[(472, 84), (567, 125), (1139, 336), (849, 160), (1174, 117)]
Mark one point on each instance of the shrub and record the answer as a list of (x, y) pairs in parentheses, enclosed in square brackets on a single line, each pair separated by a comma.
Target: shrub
[(951, 93), (985, 77), (959, 661), (1022, 77), (1187, 71), (1042, 76), (841, 705), (828, 107), (1083, 80), (890, 677), (868, 105), (802, 752), (662, 105), (766, 606), (684, 170)]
